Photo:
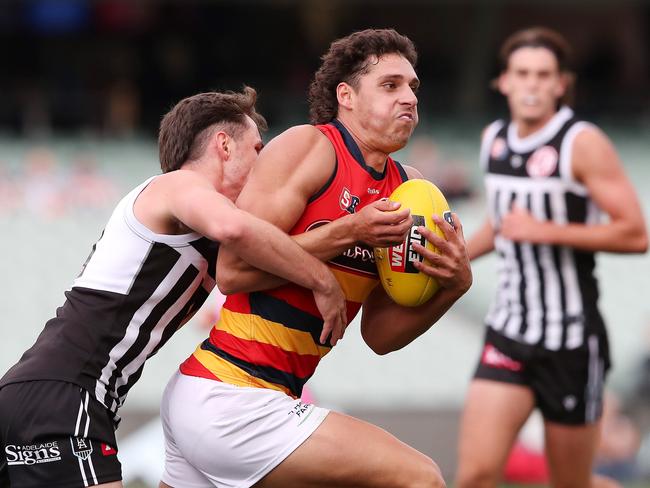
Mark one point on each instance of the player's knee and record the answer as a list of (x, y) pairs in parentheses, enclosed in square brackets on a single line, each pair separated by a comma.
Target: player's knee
[(428, 476), (477, 477)]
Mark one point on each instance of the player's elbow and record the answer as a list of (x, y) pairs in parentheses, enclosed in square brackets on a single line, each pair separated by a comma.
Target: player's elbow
[(381, 349), (378, 346), (637, 241), (232, 233), (642, 242), (642, 245), (227, 282)]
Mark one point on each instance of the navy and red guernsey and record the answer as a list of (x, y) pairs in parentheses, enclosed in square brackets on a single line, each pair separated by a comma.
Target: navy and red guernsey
[(270, 339)]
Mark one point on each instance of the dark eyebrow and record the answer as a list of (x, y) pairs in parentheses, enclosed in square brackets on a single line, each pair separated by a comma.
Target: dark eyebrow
[(390, 77), (415, 82)]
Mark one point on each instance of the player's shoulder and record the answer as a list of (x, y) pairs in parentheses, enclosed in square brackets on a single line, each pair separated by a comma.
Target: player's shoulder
[(179, 176), (174, 183), (298, 146), (589, 137), (592, 151), (412, 173), (301, 138), (492, 128)]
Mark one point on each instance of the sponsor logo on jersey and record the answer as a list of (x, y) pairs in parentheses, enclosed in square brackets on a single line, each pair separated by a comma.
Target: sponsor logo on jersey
[(496, 359), (348, 201), (108, 450), (542, 162), (499, 149), (360, 258), (360, 253), (81, 447), (402, 256), (27, 455), (373, 191), (301, 411)]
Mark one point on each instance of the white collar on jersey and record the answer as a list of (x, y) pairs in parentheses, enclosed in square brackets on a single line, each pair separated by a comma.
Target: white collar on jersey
[(539, 137)]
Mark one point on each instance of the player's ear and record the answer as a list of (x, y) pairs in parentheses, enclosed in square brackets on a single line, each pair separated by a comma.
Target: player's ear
[(223, 144), (344, 95), (566, 79), (502, 83)]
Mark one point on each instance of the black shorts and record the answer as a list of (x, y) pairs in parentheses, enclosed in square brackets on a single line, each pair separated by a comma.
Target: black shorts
[(567, 384), (55, 434)]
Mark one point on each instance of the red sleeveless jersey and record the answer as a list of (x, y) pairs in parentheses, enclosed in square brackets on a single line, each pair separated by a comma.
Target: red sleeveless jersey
[(270, 339)]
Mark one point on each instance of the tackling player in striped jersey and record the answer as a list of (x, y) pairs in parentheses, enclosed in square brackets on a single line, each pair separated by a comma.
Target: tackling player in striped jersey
[(150, 271)]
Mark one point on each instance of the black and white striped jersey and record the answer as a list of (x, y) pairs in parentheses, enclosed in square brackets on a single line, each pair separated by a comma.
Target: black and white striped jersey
[(546, 295), (134, 291)]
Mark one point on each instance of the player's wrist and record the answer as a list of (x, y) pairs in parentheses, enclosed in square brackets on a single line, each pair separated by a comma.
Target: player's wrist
[(346, 231), (321, 278)]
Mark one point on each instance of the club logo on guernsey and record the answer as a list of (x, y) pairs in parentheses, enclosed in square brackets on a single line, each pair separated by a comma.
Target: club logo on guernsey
[(542, 162), (348, 201), (27, 455), (82, 448), (402, 256)]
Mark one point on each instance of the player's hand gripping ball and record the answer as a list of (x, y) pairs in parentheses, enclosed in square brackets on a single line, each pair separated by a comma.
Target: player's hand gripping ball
[(401, 280)]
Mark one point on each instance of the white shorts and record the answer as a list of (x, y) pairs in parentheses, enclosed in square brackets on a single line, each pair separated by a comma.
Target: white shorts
[(217, 434)]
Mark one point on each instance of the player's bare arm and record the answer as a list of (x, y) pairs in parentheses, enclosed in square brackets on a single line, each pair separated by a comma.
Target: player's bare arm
[(192, 201), (482, 241), (380, 224), (596, 165), (304, 170)]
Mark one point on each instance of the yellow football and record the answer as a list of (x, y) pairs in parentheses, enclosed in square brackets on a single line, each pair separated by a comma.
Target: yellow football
[(401, 280)]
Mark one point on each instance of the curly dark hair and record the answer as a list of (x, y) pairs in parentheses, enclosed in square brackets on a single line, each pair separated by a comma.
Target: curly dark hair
[(186, 128), (346, 60), (546, 38)]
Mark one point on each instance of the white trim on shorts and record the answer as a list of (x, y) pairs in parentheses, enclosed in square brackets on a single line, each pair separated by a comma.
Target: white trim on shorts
[(84, 457), (218, 434)]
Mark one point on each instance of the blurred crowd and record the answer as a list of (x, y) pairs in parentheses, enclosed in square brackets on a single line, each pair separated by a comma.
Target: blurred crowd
[(41, 185), (111, 67)]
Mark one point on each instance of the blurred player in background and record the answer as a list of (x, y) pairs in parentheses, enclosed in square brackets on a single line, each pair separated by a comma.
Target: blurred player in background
[(549, 176), (150, 271), (231, 415)]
